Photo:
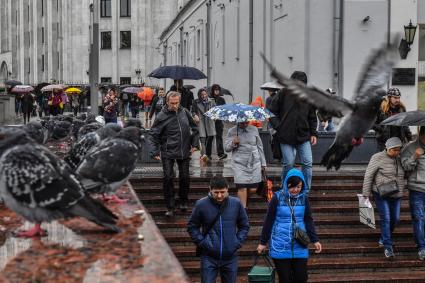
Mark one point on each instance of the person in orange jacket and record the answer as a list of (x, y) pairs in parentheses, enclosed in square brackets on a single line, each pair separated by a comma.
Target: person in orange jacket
[(259, 103)]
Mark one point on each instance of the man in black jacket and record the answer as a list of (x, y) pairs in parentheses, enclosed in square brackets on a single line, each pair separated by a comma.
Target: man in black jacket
[(296, 124), (172, 138), (219, 100)]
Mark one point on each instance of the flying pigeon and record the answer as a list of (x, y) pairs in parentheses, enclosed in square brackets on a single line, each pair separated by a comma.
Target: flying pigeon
[(360, 113), (37, 185), (80, 148), (108, 166)]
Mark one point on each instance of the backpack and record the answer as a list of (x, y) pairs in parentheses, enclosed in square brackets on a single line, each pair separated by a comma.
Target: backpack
[(125, 96)]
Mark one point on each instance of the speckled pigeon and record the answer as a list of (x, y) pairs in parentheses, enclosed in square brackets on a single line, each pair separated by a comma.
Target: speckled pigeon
[(92, 127), (360, 113), (36, 131), (40, 187), (108, 166)]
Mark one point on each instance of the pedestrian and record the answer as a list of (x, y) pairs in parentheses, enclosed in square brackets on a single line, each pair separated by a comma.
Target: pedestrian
[(392, 105), (27, 101), (18, 104), (289, 210), (219, 126), (124, 99), (100, 97), (65, 100), (134, 104), (325, 118), (413, 160), (258, 102), (75, 102), (56, 102), (110, 107), (295, 124), (172, 138), (225, 228), (158, 101), (385, 168), (248, 158), (206, 125)]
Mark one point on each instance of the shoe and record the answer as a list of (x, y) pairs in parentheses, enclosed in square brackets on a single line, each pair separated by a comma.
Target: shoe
[(388, 252), (381, 243), (223, 156), (169, 213), (183, 207), (421, 254)]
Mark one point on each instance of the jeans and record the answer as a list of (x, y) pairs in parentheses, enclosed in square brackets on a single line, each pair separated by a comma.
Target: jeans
[(291, 270), (210, 267), (389, 213), (206, 145), (288, 161), (417, 203), (168, 185), (219, 137), (329, 128)]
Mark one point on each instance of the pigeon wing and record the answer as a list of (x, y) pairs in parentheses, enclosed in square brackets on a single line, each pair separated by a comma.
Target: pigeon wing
[(81, 148)]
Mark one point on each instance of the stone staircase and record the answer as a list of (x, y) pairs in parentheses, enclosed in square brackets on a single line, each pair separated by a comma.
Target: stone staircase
[(350, 249)]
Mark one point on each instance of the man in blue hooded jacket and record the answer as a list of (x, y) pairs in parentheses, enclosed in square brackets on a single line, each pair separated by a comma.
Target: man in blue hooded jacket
[(225, 227)]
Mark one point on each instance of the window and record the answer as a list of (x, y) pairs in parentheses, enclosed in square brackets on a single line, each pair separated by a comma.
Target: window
[(42, 63), (42, 35), (125, 80), (105, 40), (42, 8), (198, 44), (57, 5), (125, 8), (28, 65), (125, 39), (105, 8), (106, 80), (28, 15)]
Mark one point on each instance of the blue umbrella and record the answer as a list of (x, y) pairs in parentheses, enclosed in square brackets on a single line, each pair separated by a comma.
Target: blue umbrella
[(238, 113), (177, 72)]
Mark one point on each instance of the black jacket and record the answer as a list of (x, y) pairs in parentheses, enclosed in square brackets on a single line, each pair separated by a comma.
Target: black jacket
[(383, 133), (295, 121), (173, 134), (186, 99)]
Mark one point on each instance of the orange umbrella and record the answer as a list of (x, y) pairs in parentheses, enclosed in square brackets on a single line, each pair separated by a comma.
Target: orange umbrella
[(259, 103), (146, 94)]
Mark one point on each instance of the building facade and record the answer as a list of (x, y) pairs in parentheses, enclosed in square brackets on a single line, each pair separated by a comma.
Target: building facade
[(328, 39)]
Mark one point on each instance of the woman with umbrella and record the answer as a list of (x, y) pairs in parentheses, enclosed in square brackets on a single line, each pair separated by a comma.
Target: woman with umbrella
[(74, 98), (23, 93)]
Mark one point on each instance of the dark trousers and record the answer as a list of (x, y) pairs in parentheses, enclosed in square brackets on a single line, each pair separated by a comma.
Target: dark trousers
[(219, 137), (207, 145), (210, 268), (168, 185), (291, 270), (111, 120)]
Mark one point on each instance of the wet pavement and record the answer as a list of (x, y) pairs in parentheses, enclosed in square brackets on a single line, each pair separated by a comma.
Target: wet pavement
[(77, 250)]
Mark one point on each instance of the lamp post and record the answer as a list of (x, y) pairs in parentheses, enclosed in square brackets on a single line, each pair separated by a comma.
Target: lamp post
[(94, 56), (409, 36), (138, 71)]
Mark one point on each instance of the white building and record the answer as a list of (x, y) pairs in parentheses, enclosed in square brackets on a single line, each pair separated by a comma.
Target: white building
[(328, 39), (49, 40)]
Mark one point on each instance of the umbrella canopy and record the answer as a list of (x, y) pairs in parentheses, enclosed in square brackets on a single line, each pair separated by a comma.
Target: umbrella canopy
[(271, 86), (52, 87), (38, 88), (146, 94), (132, 89), (73, 90), (238, 113), (22, 89), (224, 91), (12, 83), (121, 87), (177, 72), (189, 86), (410, 118)]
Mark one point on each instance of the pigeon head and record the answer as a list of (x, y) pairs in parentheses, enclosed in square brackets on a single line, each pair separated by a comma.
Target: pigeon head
[(109, 130), (61, 129), (132, 134), (10, 137), (36, 131)]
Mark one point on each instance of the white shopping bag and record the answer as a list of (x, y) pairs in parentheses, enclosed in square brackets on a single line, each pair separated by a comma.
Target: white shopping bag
[(367, 215)]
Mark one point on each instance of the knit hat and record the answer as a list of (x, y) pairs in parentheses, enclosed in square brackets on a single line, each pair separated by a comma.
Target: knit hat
[(393, 91), (393, 142)]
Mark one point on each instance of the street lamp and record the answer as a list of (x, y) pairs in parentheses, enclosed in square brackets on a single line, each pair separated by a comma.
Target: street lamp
[(138, 71), (409, 34)]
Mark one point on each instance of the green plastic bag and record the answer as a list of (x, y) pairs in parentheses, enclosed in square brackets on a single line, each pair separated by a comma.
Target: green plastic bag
[(262, 274)]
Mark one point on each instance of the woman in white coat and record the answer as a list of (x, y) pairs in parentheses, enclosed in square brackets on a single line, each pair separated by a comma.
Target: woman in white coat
[(248, 158)]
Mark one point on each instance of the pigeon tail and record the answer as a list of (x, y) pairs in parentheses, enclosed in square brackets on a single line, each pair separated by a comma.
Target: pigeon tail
[(335, 155)]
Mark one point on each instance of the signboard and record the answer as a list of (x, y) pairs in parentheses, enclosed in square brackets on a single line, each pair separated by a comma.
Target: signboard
[(403, 76)]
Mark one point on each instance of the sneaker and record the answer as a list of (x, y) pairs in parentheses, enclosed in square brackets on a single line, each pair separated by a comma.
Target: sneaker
[(388, 252), (381, 243), (421, 254), (169, 213), (223, 156)]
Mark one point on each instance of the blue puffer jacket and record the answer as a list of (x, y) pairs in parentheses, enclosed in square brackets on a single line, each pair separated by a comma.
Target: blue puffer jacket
[(229, 232), (278, 228)]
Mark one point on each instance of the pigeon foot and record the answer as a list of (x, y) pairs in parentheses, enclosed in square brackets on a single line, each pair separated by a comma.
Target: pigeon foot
[(114, 199), (34, 232)]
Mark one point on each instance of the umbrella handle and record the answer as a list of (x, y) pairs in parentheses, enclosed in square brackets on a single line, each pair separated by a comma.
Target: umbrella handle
[(237, 129)]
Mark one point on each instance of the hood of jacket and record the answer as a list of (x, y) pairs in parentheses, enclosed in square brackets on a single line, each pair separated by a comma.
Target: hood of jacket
[(297, 173)]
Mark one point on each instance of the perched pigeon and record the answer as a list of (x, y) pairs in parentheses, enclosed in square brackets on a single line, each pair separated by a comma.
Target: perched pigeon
[(87, 142), (36, 131), (133, 122), (76, 126), (39, 186), (92, 127), (107, 166), (361, 113), (61, 129)]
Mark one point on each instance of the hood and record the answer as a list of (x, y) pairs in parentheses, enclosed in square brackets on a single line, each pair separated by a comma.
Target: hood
[(298, 173)]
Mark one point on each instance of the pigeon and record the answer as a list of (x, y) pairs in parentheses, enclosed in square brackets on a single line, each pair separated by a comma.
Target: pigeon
[(133, 122), (92, 127), (360, 113), (37, 185), (76, 126), (108, 166), (36, 131), (61, 129), (80, 148)]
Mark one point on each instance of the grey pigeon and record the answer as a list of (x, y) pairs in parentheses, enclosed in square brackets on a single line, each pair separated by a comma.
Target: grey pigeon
[(92, 127), (133, 122), (360, 113), (36, 131), (38, 186), (61, 129), (108, 166), (76, 126), (80, 148)]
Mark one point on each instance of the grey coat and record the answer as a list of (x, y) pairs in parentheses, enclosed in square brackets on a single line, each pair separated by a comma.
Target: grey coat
[(206, 125), (381, 169), (415, 169), (248, 157)]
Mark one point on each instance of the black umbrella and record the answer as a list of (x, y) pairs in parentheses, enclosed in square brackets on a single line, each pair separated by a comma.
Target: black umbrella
[(224, 91), (177, 72), (12, 83), (189, 86), (410, 118), (38, 88)]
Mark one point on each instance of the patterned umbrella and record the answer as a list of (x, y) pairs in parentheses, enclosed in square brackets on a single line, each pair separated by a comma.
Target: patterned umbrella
[(238, 113), (52, 87), (22, 89), (132, 89)]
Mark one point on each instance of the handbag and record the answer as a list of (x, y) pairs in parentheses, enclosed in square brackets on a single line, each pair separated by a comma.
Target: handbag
[(300, 235), (265, 187), (198, 247), (263, 274), (390, 188)]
